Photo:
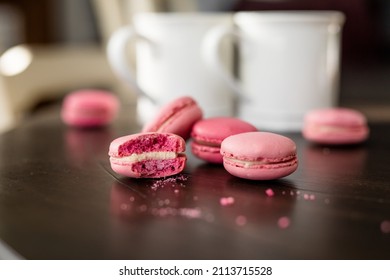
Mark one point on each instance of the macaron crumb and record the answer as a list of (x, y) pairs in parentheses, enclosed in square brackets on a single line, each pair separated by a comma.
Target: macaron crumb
[(124, 207), (143, 208), (269, 192), (190, 213), (174, 181), (307, 196), (385, 226), (283, 222), (226, 201), (241, 220)]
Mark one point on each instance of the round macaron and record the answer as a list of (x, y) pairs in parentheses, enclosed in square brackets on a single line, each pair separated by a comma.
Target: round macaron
[(208, 134), (335, 126), (148, 155), (259, 155), (89, 108), (177, 116)]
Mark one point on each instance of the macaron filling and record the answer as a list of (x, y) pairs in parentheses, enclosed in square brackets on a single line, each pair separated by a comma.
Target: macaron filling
[(148, 143), (170, 118), (157, 168), (262, 163), (207, 143), (144, 157), (337, 129)]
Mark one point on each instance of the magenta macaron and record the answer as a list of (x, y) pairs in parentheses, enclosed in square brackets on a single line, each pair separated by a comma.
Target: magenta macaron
[(177, 116), (335, 126), (89, 108), (148, 155), (259, 155), (208, 134)]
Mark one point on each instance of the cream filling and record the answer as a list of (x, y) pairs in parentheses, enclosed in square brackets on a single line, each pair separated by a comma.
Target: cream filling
[(248, 164), (146, 156), (329, 128)]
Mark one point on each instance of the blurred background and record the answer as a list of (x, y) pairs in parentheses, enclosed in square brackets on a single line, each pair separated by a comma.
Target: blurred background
[(64, 42)]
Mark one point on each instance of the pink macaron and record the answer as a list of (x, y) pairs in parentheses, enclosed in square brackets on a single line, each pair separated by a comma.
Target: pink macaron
[(335, 126), (177, 116), (259, 155), (208, 134), (148, 155), (89, 108)]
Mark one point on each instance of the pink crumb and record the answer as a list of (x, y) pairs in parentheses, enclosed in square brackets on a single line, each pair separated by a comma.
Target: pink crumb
[(241, 220), (125, 206), (269, 192), (191, 213), (174, 181), (143, 208), (309, 196), (283, 222), (226, 201), (327, 200), (385, 226)]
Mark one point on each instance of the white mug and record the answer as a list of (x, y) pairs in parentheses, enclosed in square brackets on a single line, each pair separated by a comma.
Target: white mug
[(169, 61), (288, 64)]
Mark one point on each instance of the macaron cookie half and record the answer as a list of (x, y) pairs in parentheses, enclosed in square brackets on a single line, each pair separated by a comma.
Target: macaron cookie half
[(259, 155), (89, 108), (208, 134), (148, 155), (335, 126), (177, 116)]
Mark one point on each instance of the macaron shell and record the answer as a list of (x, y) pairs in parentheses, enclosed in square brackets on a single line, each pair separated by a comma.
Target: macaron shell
[(264, 172), (178, 117), (150, 168), (89, 108), (258, 145), (146, 142), (335, 136), (215, 130), (336, 116)]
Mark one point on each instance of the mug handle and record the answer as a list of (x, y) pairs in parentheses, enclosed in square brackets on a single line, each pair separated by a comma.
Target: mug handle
[(211, 55), (116, 54)]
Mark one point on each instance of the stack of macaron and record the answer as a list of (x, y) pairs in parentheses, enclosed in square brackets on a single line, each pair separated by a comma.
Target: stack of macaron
[(244, 151)]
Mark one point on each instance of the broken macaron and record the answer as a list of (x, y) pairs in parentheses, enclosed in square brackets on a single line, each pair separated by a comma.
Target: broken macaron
[(148, 155)]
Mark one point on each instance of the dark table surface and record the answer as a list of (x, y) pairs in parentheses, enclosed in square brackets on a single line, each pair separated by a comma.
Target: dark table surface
[(59, 199)]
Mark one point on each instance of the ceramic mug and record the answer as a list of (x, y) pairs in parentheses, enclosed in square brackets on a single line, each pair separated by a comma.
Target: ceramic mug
[(288, 64), (169, 61)]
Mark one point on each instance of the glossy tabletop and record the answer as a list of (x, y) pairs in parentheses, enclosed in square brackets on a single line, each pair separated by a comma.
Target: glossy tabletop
[(59, 199)]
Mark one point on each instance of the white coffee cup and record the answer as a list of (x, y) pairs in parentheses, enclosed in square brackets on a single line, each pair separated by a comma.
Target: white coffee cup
[(169, 61), (288, 63)]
